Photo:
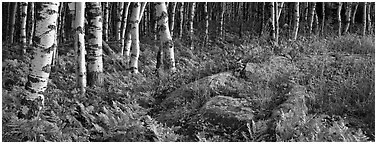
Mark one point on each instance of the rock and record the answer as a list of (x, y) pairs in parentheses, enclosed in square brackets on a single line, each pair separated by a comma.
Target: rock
[(227, 111), (268, 70), (194, 95), (290, 114)]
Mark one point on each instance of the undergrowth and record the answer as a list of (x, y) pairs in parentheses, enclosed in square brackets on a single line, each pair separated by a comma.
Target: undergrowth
[(337, 71)]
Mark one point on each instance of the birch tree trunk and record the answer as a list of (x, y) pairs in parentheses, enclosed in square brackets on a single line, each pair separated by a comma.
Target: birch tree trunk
[(311, 21), (296, 18), (135, 51), (277, 22), (124, 26), (191, 25), (180, 31), (323, 18), (118, 20), (94, 49), (171, 17), (354, 13), (339, 18), (348, 17), (364, 18), (79, 46), (369, 22), (221, 19), (272, 21), (45, 34), (316, 23), (31, 23), (262, 20), (23, 26), (13, 22), (166, 42), (206, 36), (106, 22)]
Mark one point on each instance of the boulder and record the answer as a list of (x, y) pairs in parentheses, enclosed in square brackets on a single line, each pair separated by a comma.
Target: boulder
[(227, 111), (193, 96), (269, 69), (290, 114)]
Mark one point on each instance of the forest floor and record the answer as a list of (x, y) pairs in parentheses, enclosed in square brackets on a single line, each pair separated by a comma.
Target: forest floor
[(334, 76)]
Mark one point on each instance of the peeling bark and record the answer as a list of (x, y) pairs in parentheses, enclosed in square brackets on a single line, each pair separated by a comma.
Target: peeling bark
[(45, 34)]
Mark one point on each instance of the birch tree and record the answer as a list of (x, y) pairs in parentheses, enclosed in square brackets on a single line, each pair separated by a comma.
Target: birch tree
[(134, 21), (221, 19), (94, 49), (23, 26), (206, 36), (118, 20), (354, 13), (339, 18), (79, 46), (13, 22), (166, 42), (312, 16), (348, 17), (31, 23), (364, 18), (369, 22), (272, 21), (171, 17), (323, 18), (124, 26), (180, 31), (39, 69), (262, 20), (296, 18), (191, 24)]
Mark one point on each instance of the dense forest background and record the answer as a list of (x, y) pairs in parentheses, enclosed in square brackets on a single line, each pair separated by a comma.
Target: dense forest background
[(188, 71)]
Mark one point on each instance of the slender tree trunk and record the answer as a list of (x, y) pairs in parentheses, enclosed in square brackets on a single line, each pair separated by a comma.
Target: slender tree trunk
[(135, 51), (296, 20), (364, 18), (166, 42), (221, 16), (354, 13), (124, 26), (277, 22), (262, 20), (206, 36), (369, 21), (94, 49), (323, 18), (106, 22), (118, 20), (23, 26), (180, 31), (191, 25), (272, 21), (311, 21), (316, 23), (6, 13), (280, 6), (45, 34), (339, 18), (13, 22), (31, 23), (79, 46), (171, 17), (348, 17)]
